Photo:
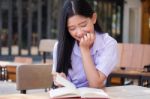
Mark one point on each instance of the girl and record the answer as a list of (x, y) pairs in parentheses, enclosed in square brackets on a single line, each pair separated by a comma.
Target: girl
[(84, 54)]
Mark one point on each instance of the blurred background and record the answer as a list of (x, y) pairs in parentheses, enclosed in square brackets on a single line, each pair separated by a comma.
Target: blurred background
[(23, 23)]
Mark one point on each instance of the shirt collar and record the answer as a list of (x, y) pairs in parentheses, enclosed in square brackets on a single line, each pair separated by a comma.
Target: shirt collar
[(98, 44)]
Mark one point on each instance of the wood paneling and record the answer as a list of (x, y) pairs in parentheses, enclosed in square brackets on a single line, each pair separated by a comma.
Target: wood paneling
[(145, 33), (11, 73)]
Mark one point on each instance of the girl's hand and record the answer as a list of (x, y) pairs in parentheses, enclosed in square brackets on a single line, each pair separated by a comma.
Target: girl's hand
[(87, 41), (54, 78)]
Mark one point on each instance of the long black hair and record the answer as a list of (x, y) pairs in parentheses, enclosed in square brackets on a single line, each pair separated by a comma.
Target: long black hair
[(65, 40)]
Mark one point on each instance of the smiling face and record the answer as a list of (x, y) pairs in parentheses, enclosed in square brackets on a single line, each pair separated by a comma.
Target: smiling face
[(78, 26)]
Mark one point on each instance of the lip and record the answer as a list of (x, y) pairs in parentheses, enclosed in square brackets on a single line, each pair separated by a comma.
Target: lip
[(79, 38)]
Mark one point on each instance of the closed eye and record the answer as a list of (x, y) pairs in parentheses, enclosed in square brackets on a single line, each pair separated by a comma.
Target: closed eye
[(83, 24), (71, 28)]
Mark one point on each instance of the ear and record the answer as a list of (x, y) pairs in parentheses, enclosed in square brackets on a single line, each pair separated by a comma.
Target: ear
[(94, 18)]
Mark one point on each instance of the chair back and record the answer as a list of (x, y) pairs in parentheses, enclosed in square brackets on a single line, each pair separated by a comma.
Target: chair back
[(146, 55), (27, 60), (137, 56), (126, 55), (37, 76), (47, 45), (120, 48)]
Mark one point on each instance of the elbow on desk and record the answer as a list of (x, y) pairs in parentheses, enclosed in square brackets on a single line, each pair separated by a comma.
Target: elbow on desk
[(97, 84)]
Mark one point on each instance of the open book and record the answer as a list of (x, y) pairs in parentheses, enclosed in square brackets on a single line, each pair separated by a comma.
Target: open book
[(69, 90)]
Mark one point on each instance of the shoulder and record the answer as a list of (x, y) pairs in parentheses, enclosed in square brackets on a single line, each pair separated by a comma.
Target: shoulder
[(103, 42), (106, 39), (55, 46), (107, 55)]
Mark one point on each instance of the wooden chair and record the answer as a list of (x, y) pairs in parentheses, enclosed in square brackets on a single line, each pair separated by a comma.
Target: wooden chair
[(146, 55), (134, 58), (146, 64), (125, 62), (46, 45), (120, 50), (117, 80), (137, 56), (126, 58), (33, 77)]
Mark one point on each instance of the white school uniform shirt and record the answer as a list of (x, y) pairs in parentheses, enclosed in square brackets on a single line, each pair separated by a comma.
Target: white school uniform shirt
[(104, 54)]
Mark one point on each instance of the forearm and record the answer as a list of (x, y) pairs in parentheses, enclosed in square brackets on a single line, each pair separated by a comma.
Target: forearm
[(95, 79)]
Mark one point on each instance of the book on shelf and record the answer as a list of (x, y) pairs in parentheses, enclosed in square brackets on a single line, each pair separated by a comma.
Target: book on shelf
[(69, 90)]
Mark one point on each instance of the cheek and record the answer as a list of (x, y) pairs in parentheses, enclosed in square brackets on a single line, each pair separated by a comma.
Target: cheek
[(73, 35), (88, 29)]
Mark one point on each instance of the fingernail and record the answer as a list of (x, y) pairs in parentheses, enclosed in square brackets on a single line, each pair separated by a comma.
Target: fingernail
[(54, 73)]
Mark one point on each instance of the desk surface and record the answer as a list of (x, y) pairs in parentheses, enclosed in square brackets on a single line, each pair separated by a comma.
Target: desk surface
[(25, 96), (129, 72), (128, 92), (15, 64), (7, 63), (118, 92)]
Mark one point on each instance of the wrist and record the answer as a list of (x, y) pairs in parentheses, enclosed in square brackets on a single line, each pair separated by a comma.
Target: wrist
[(84, 50)]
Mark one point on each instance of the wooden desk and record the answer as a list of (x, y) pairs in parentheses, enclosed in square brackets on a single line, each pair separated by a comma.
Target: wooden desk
[(145, 76), (25, 96), (11, 73), (125, 74), (128, 92), (117, 92), (9, 69), (3, 72)]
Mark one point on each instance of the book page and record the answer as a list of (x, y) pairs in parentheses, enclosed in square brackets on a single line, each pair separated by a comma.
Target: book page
[(64, 82), (86, 92), (69, 90), (63, 92)]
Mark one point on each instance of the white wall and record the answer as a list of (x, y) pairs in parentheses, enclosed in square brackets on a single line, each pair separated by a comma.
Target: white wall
[(132, 21)]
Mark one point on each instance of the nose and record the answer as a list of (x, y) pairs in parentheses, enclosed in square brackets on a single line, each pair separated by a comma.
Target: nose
[(80, 32)]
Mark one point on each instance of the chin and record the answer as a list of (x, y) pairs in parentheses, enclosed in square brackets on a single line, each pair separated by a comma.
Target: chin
[(77, 39)]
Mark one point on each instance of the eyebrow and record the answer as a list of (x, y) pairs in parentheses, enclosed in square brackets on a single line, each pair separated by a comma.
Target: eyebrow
[(83, 22), (79, 23)]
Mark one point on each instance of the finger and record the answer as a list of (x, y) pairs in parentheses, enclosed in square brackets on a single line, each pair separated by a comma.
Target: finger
[(92, 36), (54, 73), (85, 38), (81, 40), (63, 75), (57, 84), (89, 36), (54, 79)]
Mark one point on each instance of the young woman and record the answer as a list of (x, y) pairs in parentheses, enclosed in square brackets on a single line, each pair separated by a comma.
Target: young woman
[(84, 54)]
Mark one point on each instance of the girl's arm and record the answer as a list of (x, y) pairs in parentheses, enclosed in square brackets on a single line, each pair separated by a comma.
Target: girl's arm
[(94, 77)]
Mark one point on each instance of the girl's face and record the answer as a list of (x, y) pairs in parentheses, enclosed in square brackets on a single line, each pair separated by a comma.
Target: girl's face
[(78, 26)]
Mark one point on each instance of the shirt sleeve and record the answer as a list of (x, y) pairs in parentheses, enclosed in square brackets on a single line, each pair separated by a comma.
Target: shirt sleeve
[(107, 57), (54, 57)]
